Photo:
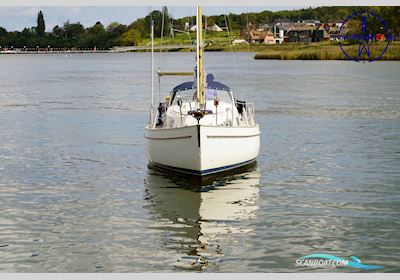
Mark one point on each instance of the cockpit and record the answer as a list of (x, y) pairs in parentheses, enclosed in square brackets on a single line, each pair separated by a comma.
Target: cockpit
[(187, 92)]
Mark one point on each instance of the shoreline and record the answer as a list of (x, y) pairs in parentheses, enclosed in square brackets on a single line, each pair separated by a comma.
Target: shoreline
[(288, 51)]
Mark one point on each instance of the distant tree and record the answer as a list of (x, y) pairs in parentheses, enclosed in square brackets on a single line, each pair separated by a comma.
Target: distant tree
[(130, 38), (122, 28), (58, 32), (41, 26), (219, 20), (95, 36), (183, 23), (114, 32), (27, 32), (75, 35), (73, 30), (210, 22), (309, 13), (112, 26), (342, 13), (3, 36), (250, 18), (167, 21), (3, 32), (265, 17), (392, 15), (160, 18), (140, 26)]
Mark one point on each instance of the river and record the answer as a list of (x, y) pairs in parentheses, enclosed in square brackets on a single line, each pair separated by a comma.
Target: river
[(76, 194)]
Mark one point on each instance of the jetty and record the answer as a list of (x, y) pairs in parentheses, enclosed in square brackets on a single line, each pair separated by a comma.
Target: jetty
[(117, 49)]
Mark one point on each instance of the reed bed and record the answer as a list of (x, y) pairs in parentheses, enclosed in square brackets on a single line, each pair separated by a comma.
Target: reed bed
[(325, 51)]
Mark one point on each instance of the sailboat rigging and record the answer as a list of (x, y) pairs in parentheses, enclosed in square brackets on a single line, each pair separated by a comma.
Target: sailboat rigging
[(201, 129)]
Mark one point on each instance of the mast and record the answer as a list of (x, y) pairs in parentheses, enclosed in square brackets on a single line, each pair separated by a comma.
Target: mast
[(152, 122), (199, 56), (152, 62)]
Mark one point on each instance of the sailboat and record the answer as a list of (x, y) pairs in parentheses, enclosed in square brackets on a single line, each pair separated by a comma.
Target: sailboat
[(201, 128)]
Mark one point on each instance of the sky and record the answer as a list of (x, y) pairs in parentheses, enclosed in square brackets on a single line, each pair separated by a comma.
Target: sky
[(17, 18)]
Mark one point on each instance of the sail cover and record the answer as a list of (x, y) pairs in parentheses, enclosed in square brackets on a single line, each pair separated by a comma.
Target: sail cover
[(210, 83)]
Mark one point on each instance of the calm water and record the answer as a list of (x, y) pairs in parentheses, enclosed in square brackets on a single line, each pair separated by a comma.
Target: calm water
[(76, 194)]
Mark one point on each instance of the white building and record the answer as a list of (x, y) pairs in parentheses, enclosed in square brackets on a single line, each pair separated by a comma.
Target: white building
[(212, 28)]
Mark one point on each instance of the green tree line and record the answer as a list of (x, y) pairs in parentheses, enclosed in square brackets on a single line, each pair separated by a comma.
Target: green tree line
[(75, 35)]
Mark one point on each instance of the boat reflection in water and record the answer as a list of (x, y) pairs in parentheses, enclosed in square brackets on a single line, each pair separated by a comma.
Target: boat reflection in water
[(197, 216)]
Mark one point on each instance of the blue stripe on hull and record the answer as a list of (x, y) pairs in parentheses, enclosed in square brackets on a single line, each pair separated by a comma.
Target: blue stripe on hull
[(203, 172)]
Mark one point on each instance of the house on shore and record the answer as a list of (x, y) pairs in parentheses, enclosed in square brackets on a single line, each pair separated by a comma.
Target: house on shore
[(289, 32), (320, 34), (281, 29), (256, 36), (260, 36), (311, 22), (301, 32), (333, 24), (269, 39)]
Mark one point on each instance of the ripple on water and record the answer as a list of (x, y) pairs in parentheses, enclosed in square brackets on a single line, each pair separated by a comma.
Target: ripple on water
[(76, 194)]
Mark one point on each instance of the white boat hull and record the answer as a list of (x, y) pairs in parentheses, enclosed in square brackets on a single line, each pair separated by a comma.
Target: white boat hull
[(202, 150)]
